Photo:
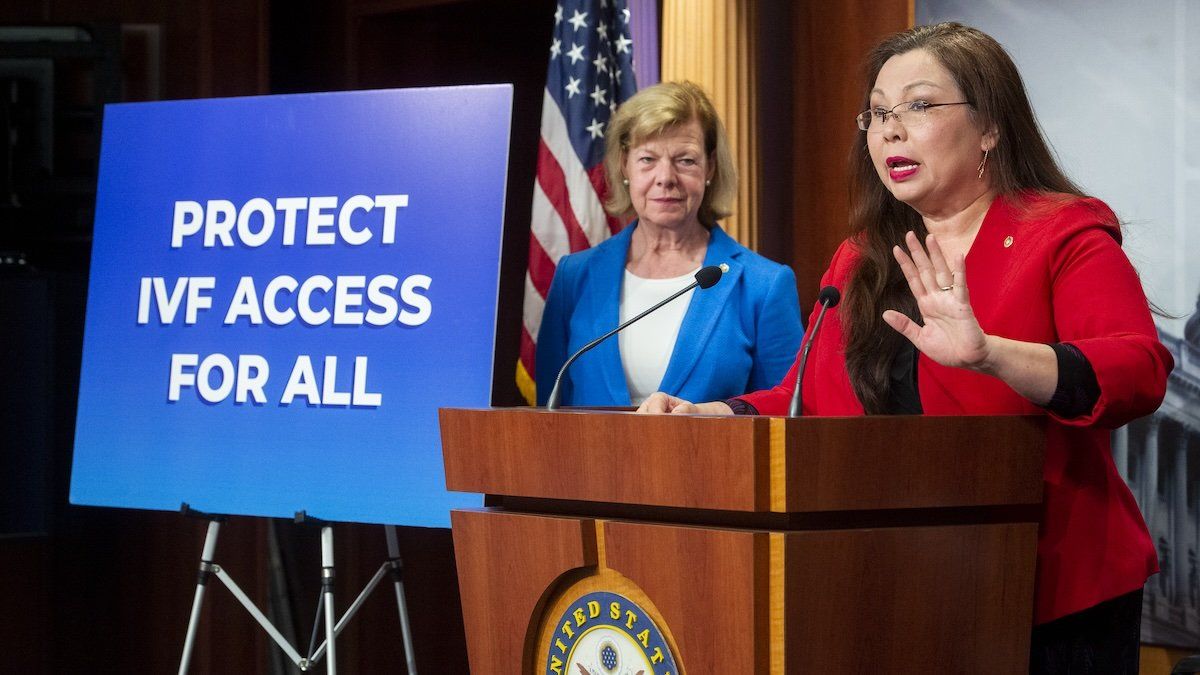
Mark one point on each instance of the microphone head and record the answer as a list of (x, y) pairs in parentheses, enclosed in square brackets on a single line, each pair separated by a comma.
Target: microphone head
[(708, 277), (829, 296)]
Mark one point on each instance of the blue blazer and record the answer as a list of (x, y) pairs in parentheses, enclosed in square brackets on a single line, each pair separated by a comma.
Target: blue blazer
[(738, 336)]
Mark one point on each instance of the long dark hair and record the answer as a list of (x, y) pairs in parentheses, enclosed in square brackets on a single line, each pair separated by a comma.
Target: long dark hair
[(1020, 162)]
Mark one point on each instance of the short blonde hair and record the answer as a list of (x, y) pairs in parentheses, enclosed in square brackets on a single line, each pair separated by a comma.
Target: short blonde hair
[(649, 113)]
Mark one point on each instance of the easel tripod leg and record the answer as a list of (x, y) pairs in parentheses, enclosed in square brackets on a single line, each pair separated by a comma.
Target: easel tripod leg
[(210, 547), (327, 594), (402, 605)]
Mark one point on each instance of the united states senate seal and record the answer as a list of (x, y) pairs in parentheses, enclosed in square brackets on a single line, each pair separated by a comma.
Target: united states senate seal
[(603, 633)]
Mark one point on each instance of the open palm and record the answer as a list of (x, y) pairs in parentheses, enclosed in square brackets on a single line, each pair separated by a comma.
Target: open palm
[(948, 332)]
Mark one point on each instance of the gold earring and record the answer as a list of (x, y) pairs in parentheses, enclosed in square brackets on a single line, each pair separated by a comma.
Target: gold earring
[(983, 163)]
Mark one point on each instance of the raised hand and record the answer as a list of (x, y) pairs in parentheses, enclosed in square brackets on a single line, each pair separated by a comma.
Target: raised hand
[(951, 334)]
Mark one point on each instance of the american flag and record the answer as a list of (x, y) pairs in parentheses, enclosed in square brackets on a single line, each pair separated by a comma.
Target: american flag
[(590, 74)]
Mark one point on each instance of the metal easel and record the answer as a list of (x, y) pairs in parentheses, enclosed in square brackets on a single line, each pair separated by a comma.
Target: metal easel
[(393, 567)]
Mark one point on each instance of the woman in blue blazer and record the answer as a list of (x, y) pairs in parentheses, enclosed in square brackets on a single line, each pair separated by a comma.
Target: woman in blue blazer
[(668, 162)]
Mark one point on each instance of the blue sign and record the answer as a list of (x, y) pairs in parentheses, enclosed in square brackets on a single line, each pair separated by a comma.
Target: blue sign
[(283, 291)]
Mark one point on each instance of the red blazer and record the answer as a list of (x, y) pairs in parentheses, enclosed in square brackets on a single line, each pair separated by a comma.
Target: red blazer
[(1040, 271)]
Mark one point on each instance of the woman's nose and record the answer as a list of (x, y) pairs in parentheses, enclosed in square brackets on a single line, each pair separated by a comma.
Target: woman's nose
[(892, 127), (664, 174)]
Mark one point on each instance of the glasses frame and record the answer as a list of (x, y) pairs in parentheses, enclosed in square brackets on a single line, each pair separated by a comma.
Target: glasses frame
[(864, 123)]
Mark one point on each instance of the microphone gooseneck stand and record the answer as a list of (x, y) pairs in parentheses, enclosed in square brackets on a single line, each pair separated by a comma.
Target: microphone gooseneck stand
[(707, 277), (829, 298)]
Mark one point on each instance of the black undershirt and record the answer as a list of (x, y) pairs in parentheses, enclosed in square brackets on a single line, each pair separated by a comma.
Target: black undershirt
[(1075, 394)]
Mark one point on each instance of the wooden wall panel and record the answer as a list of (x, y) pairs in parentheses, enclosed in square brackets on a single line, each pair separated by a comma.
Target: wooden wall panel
[(111, 589), (711, 43), (209, 48), (473, 42), (25, 589), (236, 30), (830, 41), (773, 42), (121, 584)]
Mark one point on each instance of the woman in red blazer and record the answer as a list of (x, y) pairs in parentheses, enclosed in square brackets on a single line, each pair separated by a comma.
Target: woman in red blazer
[(1020, 300)]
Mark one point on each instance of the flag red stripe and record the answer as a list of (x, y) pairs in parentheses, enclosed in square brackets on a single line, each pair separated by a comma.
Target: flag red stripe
[(554, 183), (541, 267), (528, 351)]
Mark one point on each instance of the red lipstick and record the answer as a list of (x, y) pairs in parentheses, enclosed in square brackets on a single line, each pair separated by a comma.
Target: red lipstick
[(901, 168)]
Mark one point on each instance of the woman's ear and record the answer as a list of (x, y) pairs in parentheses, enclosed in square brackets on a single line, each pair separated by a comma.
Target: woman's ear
[(991, 138)]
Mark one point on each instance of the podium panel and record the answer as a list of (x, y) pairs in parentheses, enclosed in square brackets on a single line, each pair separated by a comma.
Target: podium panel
[(903, 579)]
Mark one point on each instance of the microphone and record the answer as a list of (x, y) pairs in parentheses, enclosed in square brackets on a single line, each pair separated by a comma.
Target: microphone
[(707, 277), (828, 297)]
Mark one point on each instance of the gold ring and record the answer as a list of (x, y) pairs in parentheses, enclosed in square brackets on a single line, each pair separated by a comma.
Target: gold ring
[(948, 288)]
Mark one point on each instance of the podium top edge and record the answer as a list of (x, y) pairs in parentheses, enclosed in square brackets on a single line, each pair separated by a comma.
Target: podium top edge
[(631, 411)]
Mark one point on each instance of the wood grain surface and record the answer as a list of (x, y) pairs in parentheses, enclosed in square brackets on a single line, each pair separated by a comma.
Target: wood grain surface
[(735, 463), (697, 462), (507, 566), (913, 461), (910, 600), (897, 544), (710, 585)]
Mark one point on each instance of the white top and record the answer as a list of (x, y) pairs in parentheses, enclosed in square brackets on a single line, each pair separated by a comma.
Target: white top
[(646, 346)]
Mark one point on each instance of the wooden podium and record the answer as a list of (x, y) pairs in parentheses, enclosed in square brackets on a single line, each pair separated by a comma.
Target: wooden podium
[(753, 544)]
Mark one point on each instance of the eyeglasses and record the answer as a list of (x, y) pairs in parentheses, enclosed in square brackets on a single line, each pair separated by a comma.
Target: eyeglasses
[(909, 113)]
